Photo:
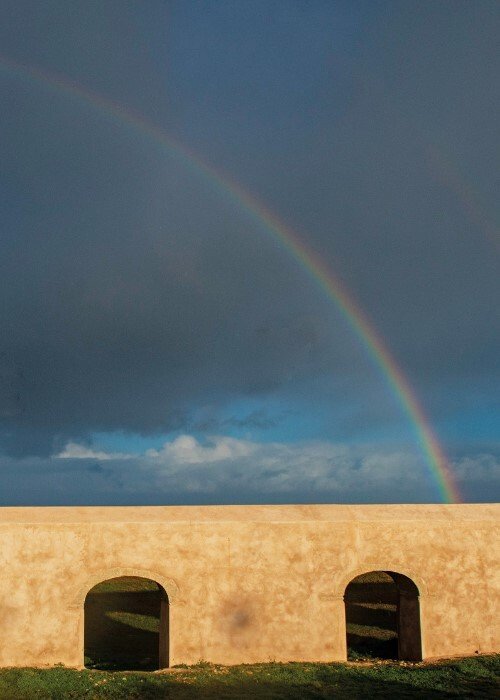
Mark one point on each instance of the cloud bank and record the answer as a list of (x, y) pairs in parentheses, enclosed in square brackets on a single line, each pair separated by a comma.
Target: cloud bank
[(225, 469)]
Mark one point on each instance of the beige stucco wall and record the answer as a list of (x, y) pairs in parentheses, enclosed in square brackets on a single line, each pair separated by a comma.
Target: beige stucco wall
[(246, 583)]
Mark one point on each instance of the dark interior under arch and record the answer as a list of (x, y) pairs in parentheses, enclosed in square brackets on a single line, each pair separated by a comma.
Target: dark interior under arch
[(383, 617), (126, 625)]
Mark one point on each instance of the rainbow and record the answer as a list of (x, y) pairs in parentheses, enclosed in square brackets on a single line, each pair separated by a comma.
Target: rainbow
[(290, 241), (447, 173)]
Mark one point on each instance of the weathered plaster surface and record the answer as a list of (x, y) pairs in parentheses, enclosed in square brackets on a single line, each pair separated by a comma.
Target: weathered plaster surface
[(246, 583)]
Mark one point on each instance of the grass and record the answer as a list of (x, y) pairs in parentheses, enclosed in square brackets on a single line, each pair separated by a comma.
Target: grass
[(476, 677)]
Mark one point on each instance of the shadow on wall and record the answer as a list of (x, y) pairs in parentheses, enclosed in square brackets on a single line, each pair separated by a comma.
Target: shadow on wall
[(383, 617), (126, 625)]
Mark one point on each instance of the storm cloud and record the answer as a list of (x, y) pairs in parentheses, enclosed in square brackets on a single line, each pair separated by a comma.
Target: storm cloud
[(138, 297)]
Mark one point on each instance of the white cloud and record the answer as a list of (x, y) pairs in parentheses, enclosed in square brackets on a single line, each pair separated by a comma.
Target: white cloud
[(75, 451), (228, 469), (244, 467), (185, 449)]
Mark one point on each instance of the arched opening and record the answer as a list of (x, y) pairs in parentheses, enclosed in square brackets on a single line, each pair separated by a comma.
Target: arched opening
[(126, 625), (383, 617)]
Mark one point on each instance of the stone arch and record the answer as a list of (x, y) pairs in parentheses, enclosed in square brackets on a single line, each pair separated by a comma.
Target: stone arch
[(404, 601), (169, 586)]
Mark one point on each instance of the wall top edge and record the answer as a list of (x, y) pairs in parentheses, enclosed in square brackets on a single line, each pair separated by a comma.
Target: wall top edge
[(250, 513)]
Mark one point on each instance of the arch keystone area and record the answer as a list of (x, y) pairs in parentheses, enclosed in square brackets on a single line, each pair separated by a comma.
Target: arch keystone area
[(168, 584), (342, 583)]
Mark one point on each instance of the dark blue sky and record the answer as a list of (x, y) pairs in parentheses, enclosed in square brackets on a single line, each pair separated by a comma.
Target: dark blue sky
[(158, 345)]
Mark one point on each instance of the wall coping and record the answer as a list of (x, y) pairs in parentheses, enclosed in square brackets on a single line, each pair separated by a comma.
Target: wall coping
[(62, 515)]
